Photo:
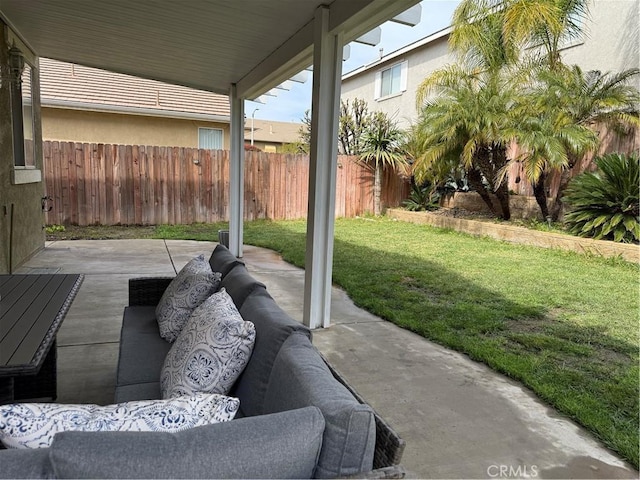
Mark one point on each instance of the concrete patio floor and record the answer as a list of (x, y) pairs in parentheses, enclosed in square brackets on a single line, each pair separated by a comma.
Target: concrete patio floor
[(459, 418)]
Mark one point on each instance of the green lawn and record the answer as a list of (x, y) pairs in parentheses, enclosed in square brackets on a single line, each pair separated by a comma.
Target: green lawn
[(563, 324)]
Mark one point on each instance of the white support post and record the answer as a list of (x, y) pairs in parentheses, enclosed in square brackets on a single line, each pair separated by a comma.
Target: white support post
[(327, 68), (236, 174)]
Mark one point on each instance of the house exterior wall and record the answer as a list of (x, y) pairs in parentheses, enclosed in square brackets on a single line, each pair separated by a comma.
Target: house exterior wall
[(23, 237), (119, 128), (610, 43), (401, 107), (611, 40)]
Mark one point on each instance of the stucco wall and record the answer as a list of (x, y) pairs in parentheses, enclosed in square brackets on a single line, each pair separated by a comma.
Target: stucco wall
[(402, 107), (102, 127), (28, 235), (611, 38)]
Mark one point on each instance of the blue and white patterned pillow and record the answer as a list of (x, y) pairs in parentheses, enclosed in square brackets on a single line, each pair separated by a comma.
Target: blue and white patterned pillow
[(33, 425), (191, 286), (211, 351)]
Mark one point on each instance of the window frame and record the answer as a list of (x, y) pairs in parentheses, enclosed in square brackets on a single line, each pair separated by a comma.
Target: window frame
[(17, 98), (211, 128), (24, 170), (403, 65)]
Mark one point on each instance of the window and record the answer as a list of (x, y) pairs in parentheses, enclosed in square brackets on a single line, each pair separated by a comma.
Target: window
[(210, 138), (391, 81)]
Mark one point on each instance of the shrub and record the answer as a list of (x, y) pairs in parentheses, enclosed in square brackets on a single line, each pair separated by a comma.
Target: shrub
[(422, 198), (54, 228), (606, 204)]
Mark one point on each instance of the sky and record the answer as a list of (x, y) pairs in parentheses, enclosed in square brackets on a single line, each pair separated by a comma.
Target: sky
[(289, 106)]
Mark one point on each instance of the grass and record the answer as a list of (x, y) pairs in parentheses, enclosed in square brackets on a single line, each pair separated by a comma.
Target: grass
[(563, 324)]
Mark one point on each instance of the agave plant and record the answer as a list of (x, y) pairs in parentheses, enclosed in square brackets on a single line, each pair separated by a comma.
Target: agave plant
[(606, 203), (422, 197)]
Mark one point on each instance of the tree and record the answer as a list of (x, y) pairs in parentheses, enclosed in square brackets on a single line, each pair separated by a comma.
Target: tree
[(353, 123), (469, 112), (381, 149), (304, 132), (563, 101), (590, 99), (540, 26), (560, 120), (442, 175), (466, 115), (549, 137)]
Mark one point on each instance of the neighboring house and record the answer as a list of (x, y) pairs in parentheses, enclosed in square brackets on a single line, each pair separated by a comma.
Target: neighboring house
[(89, 105), (610, 43), (270, 136)]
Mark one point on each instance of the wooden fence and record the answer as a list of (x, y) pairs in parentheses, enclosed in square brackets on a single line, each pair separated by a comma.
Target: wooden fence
[(97, 184)]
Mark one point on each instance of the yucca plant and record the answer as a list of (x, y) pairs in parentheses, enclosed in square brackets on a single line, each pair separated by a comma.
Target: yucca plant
[(605, 204), (382, 148)]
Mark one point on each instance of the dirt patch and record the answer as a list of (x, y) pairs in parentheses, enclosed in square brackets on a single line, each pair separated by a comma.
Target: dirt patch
[(116, 232), (457, 212)]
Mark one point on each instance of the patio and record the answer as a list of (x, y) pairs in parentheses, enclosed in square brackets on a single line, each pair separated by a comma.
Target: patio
[(459, 418)]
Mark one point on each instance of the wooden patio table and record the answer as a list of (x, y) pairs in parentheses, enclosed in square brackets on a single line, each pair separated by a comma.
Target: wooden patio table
[(32, 308)]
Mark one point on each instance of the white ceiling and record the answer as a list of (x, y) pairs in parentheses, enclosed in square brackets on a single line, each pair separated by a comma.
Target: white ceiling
[(204, 44)]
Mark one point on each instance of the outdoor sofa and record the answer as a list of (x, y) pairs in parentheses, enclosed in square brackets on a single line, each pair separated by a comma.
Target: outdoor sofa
[(297, 417)]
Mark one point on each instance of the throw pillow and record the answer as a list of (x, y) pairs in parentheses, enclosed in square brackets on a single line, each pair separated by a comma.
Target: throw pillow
[(191, 286), (33, 425), (211, 351)]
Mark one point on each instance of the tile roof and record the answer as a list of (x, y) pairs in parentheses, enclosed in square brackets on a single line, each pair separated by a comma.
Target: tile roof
[(74, 86), (67, 85), (270, 131)]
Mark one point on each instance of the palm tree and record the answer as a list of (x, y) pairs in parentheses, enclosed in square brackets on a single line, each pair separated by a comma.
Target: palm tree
[(381, 149), (544, 25), (558, 124), (439, 174), (590, 99), (549, 137), (465, 114), (469, 112), (496, 32)]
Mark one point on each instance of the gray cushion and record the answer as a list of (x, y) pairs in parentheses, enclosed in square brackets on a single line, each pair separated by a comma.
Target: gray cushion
[(273, 326), (138, 391), (300, 378), (240, 284), (274, 446), (26, 463), (142, 350), (222, 260)]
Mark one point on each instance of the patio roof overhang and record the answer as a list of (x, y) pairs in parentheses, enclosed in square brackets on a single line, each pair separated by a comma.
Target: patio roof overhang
[(208, 45), (240, 48)]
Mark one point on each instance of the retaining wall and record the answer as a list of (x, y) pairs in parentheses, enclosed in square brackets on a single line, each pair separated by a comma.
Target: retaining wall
[(521, 235)]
